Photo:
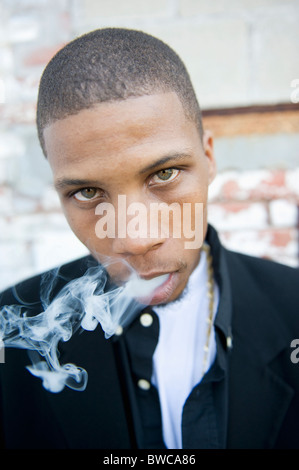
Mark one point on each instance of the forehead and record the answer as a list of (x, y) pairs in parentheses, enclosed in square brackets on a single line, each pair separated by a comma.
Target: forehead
[(123, 132)]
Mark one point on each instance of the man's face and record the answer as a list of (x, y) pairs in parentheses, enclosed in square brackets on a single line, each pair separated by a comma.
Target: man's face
[(146, 150)]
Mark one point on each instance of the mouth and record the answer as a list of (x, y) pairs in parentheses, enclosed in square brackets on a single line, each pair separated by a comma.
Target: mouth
[(153, 288), (153, 275)]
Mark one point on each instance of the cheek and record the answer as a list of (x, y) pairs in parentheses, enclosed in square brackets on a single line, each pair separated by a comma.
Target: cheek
[(194, 188), (197, 195), (82, 223)]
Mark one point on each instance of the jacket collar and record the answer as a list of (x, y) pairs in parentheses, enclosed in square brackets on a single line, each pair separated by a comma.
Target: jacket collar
[(244, 305), (223, 319)]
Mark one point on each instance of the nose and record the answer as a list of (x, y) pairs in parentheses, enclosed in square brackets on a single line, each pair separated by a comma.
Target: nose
[(129, 245), (136, 234)]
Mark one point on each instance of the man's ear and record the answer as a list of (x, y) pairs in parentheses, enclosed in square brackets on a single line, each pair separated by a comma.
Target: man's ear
[(208, 146)]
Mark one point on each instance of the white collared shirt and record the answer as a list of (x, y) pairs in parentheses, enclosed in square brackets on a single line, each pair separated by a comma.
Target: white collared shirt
[(178, 358)]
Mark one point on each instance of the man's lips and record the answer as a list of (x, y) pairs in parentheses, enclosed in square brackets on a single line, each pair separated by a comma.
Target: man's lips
[(150, 276), (143, 288), (161, 291)]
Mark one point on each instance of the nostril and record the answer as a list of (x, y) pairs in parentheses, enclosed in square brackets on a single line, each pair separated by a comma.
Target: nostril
[(135, 246)]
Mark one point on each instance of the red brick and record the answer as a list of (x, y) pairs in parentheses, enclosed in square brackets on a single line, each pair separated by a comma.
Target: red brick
[(281, 238), (253, 185), (279, 245)]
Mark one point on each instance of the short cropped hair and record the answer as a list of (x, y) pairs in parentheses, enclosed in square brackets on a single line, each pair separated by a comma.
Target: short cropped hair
[(111, 64)]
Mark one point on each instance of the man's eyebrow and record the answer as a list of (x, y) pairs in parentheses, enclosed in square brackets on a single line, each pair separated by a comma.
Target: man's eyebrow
[(64, 183), (174, 157)]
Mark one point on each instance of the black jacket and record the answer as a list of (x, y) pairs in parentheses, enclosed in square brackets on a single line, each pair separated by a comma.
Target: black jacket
[(263, 391)]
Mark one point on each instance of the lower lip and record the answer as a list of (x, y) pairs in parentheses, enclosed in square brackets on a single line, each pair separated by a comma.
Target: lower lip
[(162, 293)]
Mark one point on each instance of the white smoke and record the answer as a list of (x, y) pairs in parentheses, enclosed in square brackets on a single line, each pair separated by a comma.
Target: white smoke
[(82, 303)]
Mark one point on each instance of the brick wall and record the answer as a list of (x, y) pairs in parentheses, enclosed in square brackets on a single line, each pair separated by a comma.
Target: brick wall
[(255, 204), (257, 212), (240, 53)]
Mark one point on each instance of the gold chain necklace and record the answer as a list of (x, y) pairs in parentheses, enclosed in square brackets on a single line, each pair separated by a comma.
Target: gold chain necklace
[(210, 295)]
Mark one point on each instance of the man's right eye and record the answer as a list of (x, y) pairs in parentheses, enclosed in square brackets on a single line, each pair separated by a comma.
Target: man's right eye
[(86, 194)]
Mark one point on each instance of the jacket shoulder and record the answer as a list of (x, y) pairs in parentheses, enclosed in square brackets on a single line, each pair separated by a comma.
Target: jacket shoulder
[(266, 271), (264, 264), (274, 285)]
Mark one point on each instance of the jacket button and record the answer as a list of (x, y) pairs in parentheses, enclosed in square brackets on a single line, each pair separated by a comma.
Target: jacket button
[(146, 319), (144, 384), (119, 330)]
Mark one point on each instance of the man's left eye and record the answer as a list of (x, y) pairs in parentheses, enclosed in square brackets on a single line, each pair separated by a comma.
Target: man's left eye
[(165, 175)]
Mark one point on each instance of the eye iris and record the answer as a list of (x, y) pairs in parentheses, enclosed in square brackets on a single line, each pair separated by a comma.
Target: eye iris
[(88, 193), (165, 174)]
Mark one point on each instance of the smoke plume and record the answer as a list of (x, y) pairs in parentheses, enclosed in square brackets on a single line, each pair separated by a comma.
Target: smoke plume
[(82, 303)]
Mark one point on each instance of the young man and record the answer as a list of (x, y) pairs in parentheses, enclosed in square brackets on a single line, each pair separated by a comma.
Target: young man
[(205, 361)]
